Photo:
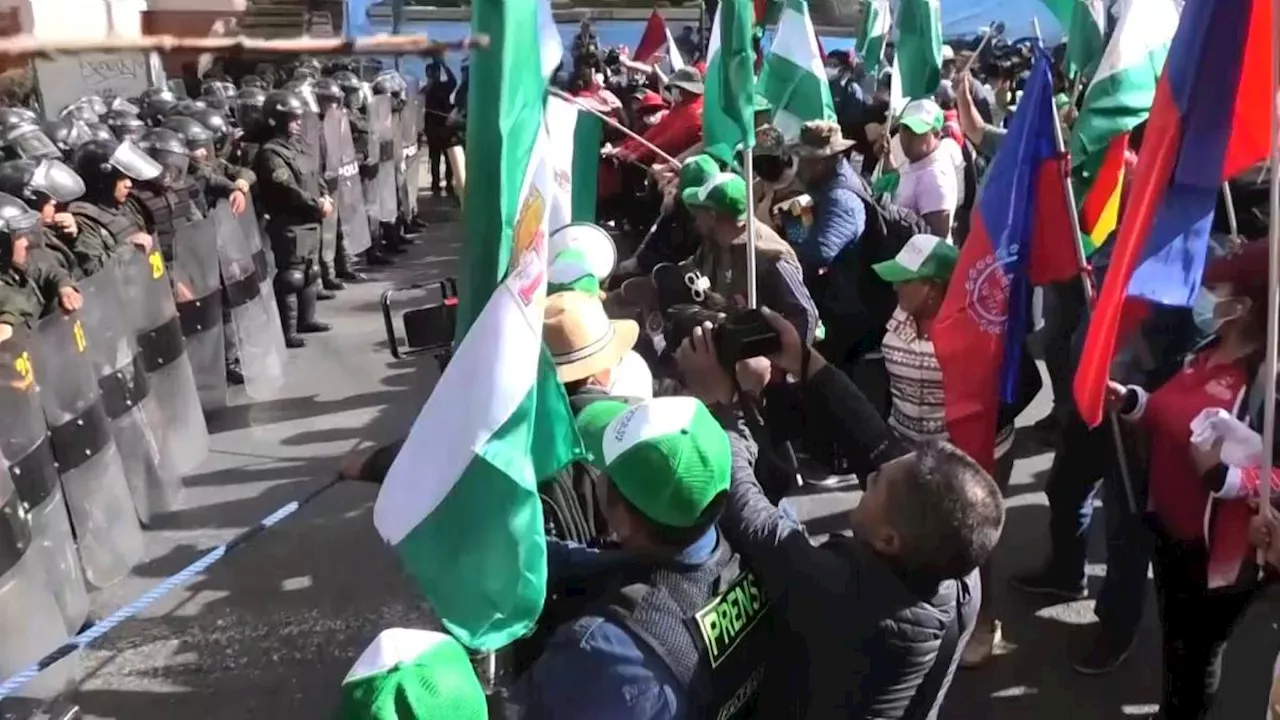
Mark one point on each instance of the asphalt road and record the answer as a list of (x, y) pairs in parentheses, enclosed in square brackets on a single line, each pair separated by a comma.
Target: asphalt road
[(270, 631)]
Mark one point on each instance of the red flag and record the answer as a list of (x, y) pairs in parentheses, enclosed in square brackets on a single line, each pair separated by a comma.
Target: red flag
[(654, 39)]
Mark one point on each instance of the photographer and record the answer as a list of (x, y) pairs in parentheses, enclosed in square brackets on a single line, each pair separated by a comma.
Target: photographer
[(873, 622), (720, 206)]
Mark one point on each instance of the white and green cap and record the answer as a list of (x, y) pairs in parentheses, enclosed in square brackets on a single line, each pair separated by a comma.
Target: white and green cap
[(667, 456), (725, 193), (924, 257), (413, 675), (922, 116), (571, 270), (593, 241)]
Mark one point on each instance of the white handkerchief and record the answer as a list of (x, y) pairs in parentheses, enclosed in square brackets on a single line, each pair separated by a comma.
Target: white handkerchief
[(1241, 445)]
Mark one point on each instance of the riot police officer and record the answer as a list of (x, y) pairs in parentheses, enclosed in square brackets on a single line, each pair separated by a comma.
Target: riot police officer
[(390, 84), (335, 262), (27, 140), (47, 187), (105, 221), (248, 116), (29, 286), (124, 125), (206, 169), (293, 195), (67, 133), (354, 97)]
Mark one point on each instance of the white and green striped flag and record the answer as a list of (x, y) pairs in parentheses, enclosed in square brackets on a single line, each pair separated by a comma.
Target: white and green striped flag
[(794, 79), (1085, 37), (728, 114), (877, 23), (575, 149), (460, 503)]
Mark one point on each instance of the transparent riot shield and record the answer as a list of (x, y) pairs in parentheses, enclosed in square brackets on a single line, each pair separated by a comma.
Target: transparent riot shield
[(30, 621), (153, 320), (340, 155), (256, 323), (197, 290), (263, 262), (108, 534), (137, 420), (382, 200), (410, 127), (28, 459), (311, 134)]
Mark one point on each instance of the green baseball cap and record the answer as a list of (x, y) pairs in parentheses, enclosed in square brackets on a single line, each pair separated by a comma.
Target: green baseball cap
[(571, 270), (696, 170), (668, 456), (924, 257), (724, 193), (921, 116), (412, 675)]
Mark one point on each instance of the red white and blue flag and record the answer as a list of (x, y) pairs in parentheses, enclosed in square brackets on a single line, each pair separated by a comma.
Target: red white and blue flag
[(1020, 235), (1211, 119)]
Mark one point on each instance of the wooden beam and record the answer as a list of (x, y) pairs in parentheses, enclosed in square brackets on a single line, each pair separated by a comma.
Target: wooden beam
[(25, 47)]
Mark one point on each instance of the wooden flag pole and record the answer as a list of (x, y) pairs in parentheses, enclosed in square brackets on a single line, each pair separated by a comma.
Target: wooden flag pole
[(26, 47)]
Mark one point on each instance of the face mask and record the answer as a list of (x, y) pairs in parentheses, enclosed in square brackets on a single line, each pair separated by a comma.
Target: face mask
[(833, 73), (1202, 311)]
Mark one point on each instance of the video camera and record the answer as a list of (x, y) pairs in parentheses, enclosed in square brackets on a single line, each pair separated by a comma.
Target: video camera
[(686, 302)]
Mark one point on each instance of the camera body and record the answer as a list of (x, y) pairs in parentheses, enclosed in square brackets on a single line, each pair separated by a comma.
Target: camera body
[(737, 333)]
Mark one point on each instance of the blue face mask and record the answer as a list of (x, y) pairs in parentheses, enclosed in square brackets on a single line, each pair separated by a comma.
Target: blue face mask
[(1202, 310)]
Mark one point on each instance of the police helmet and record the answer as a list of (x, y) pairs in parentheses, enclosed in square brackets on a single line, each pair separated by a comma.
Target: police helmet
[(249, 107), (214, 102), (194, 134), (125, 125), (186, 107), (100, 163), (305, 73), (352, 89), (119, 104), (39, 181), (67, 133), (253, 82), (328, 93), (16, 220), (81, 111), (16, 116), (304, 90), (27, 140), (280, 108), (100, 131), (156, 109), (215, 122), (156, 93), (169, 149)]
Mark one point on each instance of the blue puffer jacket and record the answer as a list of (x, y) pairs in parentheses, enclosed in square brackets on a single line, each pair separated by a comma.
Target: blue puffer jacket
[(838, 220)]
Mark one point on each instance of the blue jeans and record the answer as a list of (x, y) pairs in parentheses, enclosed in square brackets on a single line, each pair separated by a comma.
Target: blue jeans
[(1086, 463)]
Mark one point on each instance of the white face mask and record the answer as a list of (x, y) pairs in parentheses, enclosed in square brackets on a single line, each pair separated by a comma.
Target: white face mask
[(1203, 311)]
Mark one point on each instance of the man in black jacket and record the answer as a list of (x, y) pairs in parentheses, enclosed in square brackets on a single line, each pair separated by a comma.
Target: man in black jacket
[(875, 622)]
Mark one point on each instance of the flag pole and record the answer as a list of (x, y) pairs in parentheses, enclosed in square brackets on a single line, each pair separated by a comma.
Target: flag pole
[(1273, 286), (749, 171), (1086, 283), (611, 123)]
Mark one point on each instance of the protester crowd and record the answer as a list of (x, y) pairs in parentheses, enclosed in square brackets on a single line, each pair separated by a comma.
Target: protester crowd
[(680, 582), (201, 233)]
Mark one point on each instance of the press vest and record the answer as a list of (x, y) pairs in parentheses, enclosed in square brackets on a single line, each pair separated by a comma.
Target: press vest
[(712, 626)]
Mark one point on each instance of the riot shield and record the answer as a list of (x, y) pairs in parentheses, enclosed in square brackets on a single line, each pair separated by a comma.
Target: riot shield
[(24, 443), (263, 262), (197, 290), (381, 197), (97, 494), (153, 320), (410, 126), (311, 134), (256, 323), (340, 155), (137, 420)]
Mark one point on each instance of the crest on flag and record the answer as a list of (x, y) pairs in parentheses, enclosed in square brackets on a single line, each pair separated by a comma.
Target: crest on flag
[(988, 290), (529, 249)]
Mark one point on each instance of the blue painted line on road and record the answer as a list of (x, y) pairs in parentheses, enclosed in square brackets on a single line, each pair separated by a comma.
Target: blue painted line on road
[(101, 628)]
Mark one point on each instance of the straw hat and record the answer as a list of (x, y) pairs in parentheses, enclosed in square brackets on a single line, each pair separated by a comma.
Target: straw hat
[(581, 338)]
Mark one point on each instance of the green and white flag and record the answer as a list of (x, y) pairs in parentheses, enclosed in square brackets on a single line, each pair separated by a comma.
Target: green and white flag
[(919, 48), (877, 23), (794, 79), (1124, 86), (460, 503), (1085, 37), (575, 149), (728, 110)]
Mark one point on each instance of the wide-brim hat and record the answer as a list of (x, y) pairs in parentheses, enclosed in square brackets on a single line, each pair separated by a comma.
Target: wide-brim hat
[(688, 78), (581, 338), (819, 139)]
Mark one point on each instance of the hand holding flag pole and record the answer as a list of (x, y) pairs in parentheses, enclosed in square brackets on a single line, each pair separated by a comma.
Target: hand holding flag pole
[(1086, 283)]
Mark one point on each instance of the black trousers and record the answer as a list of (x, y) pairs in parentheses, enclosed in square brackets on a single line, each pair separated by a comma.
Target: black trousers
[(436, 147), (1195, 624)]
